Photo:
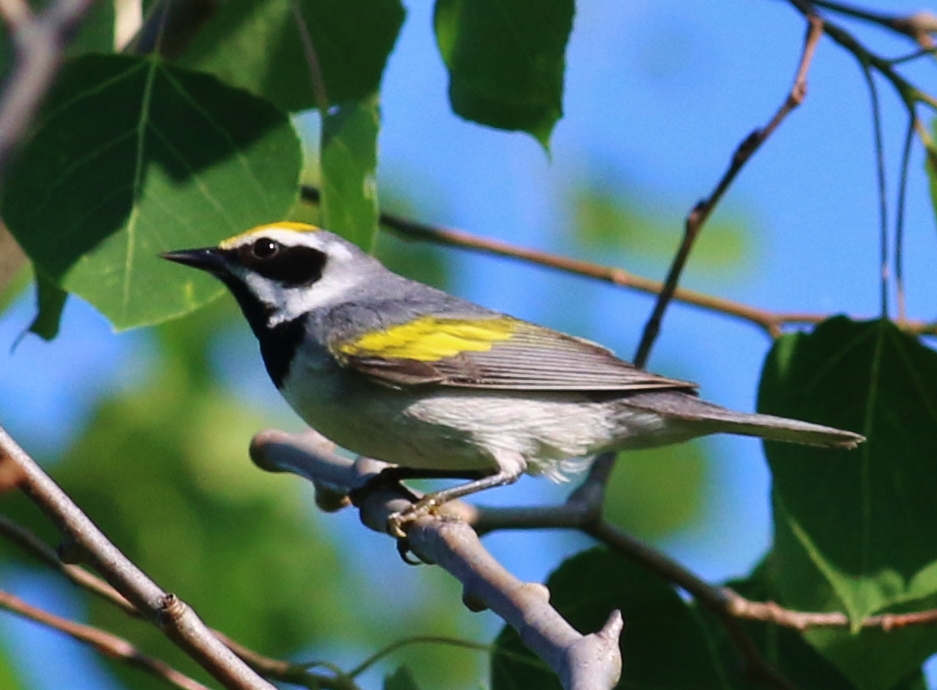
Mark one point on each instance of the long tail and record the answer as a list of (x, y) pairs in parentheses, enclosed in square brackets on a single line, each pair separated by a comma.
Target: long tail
[(721, 420)]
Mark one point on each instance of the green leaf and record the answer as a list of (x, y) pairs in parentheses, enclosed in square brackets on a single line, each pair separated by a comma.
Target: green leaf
[(349, 163), (854, 529), (663, 645), (401, 679), (258, 46), (132, 157), (506, 60), (50, 301)]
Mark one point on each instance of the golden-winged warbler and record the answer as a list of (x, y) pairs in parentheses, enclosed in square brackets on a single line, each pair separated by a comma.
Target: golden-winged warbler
[(399, 371)]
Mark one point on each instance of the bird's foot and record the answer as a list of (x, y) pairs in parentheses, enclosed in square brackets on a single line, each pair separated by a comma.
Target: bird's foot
[(397, 522)]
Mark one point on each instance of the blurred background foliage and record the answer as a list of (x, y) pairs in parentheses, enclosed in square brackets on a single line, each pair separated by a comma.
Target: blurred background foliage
[(148, 431)]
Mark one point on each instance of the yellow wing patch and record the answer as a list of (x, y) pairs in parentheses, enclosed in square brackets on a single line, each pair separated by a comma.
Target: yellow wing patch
[(430, 339), (282, 225)]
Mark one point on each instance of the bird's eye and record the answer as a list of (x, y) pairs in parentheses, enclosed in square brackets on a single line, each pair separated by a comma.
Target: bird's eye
[(264, 248)]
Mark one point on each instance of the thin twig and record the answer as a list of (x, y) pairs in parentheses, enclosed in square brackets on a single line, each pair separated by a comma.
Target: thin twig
[(82, 539), (104, 642), (39, 41), (266, 666), (908, 93), (899, 221), (772, 322), (701, 212), (31, 544), (915, 26), (416, 639), (882, 186), (312, 59)]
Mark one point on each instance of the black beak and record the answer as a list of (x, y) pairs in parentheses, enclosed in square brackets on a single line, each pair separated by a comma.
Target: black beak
[(209, 259)]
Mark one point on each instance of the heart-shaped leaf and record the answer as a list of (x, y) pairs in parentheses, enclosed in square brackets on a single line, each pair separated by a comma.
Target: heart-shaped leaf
[(854, 530), (506, 60), (259, 46), (132, 157)]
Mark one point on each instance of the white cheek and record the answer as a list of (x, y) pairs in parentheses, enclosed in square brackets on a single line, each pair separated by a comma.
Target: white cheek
[(291, 303)]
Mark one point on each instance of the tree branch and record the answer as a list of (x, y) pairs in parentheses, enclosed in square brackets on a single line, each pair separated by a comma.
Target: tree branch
[(39, 41), (702, 211), (917, 26), (311, 456), (580, 661), (276, 669), (772, 322), (82, 539), (104, 642)]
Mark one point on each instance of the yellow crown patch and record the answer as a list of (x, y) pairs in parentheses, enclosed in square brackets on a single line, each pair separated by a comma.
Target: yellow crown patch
[(282, 225)]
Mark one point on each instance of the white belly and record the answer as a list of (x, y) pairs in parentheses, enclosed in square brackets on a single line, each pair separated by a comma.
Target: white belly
[(466, 429)]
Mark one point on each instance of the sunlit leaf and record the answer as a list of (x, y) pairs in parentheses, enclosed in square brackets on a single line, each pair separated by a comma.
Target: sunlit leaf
[(132, 157), (506, 61), (259, 46), (854, 529)]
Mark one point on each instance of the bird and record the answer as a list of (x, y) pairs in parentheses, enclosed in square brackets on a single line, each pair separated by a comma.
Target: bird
[(438, 386)]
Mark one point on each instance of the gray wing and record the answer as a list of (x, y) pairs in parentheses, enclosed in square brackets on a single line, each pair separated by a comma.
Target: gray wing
[(533, 358)]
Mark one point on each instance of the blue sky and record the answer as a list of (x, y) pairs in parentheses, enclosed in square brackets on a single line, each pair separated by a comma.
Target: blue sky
[(658, 94)]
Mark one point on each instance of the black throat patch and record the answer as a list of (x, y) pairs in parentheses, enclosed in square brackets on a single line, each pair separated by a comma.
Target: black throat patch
[(278, 345)]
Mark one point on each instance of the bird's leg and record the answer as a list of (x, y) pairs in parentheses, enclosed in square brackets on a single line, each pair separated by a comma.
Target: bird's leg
[(393, 476), (430, 502)]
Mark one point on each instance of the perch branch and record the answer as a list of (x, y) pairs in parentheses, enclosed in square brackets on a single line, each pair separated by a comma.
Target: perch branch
[(104, 642), (311, 456), (82, 539), (580, 661), (703, 209)]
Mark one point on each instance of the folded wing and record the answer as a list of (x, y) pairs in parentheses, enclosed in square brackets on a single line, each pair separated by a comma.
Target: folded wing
[(493, 353)]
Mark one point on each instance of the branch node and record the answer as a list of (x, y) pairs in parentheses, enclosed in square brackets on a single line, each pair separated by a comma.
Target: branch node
[(473, 603), (171, 611)]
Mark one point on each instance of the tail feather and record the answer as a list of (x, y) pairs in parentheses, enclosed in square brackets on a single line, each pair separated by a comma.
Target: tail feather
[(721, 420), (773, 428)]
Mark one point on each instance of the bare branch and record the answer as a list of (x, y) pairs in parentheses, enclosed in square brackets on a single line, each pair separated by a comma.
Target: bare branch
[(580, 661), (82, 539), (110, 645), (917, 27), (39, 42), (772, 322), (276, 669), (701, 212), (31, 544), (312, 59)]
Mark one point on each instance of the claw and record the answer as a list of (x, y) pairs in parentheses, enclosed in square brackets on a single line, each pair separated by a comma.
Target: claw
[(397, 521)]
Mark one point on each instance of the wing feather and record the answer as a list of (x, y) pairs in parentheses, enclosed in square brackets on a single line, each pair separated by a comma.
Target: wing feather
[(496, 353)]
